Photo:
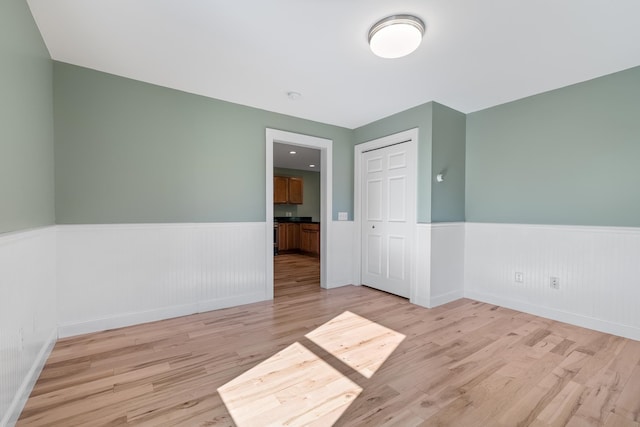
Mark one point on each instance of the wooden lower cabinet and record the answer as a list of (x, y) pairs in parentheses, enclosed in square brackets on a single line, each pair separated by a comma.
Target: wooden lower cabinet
[(288, 237), (282, 237), (310, 239), (295, 237)]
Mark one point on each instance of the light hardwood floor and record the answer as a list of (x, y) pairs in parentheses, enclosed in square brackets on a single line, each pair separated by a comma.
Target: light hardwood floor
[(462, 364)]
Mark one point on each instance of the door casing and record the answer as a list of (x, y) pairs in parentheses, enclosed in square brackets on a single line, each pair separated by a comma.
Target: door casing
[(326, 210)]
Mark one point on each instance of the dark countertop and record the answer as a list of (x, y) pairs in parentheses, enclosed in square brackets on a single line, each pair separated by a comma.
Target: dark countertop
[(296, 219)]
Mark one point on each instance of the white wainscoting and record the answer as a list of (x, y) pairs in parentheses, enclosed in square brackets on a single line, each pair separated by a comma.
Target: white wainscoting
[(28, 314), (340, 254), (447, 262), (118, 275), (439, 264), (598, 268), (421, 291)]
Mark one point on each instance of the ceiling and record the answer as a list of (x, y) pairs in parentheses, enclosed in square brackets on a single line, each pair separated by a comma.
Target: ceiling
[(302, 159), (475, 54)]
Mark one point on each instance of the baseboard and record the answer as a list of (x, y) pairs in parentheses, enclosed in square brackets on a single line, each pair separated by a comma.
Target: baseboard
[(445, 298), (20, 398), (129, 319), (559, 315)]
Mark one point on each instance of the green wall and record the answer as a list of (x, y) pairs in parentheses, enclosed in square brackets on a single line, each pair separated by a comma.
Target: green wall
[(418, 117), (132, 152), (448, 155), (310, 197), (569, 156), (26, 122)]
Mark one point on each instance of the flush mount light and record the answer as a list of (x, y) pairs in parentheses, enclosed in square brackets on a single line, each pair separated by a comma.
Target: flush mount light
[(396, 36), (294, 95), (312, 166), (292, 152)]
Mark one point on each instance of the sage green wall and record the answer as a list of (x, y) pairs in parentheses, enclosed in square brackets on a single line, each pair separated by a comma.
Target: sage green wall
[(26, 122), (132, 152), (418, 117), (569, 156), (448, 155), (310, 194)]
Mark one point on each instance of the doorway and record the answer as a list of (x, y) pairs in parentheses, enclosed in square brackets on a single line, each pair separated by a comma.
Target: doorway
[(324, 146), (385, 212)]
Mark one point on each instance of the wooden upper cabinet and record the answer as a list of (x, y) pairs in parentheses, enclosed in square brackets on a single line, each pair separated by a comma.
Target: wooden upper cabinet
[(295, 191), (280, 189), (287, 190)]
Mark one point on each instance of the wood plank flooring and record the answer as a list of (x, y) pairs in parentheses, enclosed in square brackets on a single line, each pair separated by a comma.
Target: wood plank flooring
[(462, 364)]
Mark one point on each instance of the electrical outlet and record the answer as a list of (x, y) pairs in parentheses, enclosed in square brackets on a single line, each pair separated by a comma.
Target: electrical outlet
[(519, 277), (554, 283)]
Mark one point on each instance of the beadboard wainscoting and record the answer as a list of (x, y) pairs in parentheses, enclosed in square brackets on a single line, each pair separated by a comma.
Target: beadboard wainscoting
[(439, 263), (421, 291), (598, 270), (123, 274), (340, 254), (447, 262), (28, 314)]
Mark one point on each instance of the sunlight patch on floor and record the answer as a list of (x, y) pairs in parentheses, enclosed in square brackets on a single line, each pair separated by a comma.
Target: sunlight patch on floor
[(361, 344), (294, 387)]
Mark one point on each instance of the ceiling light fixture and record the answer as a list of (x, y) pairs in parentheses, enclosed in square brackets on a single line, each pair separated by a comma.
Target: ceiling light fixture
[(396, 36), (312, 166), (292, 152)]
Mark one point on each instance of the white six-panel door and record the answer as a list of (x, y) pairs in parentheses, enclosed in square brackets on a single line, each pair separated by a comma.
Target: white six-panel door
[(388, 218)]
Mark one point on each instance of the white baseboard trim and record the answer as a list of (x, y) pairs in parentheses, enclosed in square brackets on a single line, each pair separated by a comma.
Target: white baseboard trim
[(445, 298), (21, 396), (559, 315), (129, 319)]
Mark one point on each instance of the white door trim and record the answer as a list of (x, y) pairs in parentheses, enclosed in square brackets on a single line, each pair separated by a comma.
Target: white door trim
[(410, 136), (326, 210)]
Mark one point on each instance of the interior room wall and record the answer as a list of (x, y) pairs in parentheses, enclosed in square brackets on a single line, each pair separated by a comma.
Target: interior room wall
[(132, 152), (311, 194), (26, 122), (163, 193), (552, 191), (28, 323), (448, 158), (569, 156)]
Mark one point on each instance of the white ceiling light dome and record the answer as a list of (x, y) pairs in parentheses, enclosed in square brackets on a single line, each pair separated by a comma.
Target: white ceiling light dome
[(396, 36)]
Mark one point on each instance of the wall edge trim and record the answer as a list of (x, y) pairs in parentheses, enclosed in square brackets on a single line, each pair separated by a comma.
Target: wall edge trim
[(21, 397), (575, 319), (136, 318)]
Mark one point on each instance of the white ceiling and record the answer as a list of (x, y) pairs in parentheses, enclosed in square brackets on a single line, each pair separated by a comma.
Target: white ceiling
[(302, 159), (475, 54)]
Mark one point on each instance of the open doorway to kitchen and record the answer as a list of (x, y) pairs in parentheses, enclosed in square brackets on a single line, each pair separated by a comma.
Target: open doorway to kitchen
[(305, 228)]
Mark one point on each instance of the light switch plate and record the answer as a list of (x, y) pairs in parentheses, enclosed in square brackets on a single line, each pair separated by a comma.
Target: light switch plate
[(343, 216)]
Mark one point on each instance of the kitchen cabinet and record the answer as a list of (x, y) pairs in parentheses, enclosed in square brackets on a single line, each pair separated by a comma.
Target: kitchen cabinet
[(282, 237), (287, 190), (288, 237), (280, 190), (310, 239), (295, 190), (293, 236)]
